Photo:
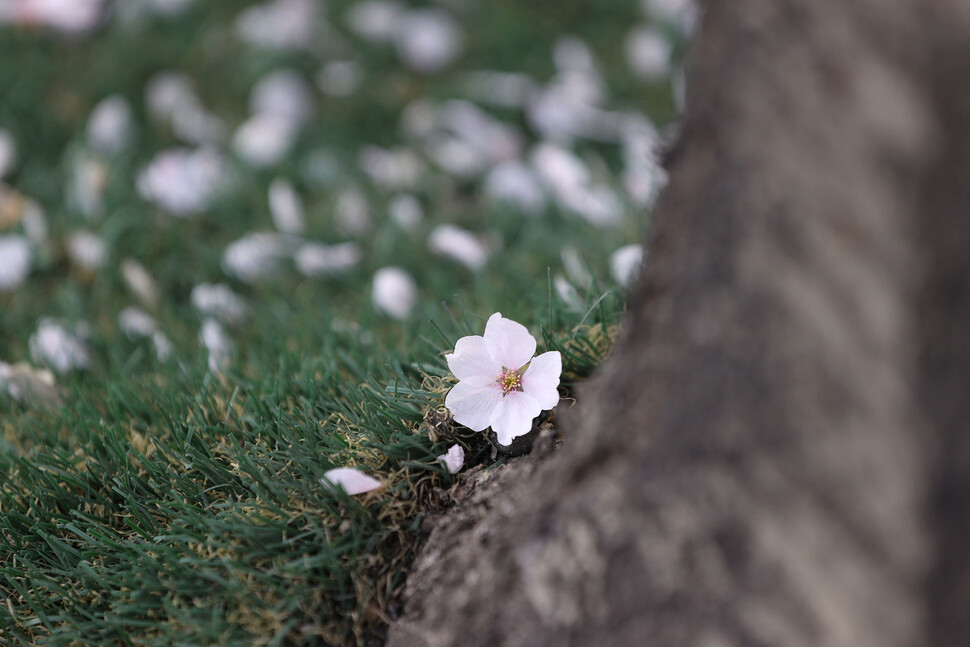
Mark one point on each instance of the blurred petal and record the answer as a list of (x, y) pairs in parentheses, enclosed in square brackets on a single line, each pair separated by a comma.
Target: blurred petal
[(352, 480), (471, 362), (509, 342), (541, 379), (473, 405), (514, 415)]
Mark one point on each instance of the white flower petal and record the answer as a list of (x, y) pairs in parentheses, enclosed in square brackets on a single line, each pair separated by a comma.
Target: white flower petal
[(394, 292), (541, 379), (471, 361), (472, 405), (625, 264), (509, 342), (454, 459), (352, 480), (514, 415)]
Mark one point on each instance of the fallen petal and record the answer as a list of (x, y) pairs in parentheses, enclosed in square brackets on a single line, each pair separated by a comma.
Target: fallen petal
[(352, 480), (454, 459)]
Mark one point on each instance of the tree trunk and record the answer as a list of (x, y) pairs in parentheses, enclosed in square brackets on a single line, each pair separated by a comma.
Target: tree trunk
[(759, 462)]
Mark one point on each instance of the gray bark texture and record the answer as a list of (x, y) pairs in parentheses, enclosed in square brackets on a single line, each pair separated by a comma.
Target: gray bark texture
[(778, 451)]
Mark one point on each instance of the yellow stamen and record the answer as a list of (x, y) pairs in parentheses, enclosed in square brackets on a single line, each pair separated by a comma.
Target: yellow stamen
[(510, 381)]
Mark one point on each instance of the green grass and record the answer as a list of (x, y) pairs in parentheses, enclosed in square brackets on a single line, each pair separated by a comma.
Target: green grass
[(167, 505)]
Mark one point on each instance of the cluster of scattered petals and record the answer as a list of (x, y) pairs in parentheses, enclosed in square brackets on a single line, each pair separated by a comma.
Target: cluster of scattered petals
[(500, 384), (352, 480)]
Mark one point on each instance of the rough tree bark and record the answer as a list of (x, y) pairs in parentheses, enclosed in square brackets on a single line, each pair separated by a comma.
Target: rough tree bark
[(760, 462)]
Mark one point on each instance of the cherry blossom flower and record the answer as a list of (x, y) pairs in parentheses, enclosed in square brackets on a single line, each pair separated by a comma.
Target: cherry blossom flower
[(352, 480), (500, 384)]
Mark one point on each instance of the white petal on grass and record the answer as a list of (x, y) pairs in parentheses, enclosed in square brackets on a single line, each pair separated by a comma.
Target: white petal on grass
[(8, 152), (454, 460), (15, 261), (458, 244), (392, 169), (352, 480), (217, 343), (352, 213), (279, 24), (648, 53), (87, 181), (572, 54), (405, 211), (318, 260), (513, 416), (256, 256), (418, 119), (567, 293), (394, 292), (68, 16), (503, 89), (598, 204), (541, 379), (135, 323), (561, 170), (183, 181), (495, 140), (625, 264), (286, 207), (340, 78), (679, 13), (140, 282), (473, 406), (171, 99), (55, 346), (576, 268), (163, 346), (427, 40), (264, 140), (471, 361), (374, 20), (509, 342), (456, 157), (516, 184), (34, 220), (23, 382), (110, 125), (284, 94), (87, 250), (218, 300)]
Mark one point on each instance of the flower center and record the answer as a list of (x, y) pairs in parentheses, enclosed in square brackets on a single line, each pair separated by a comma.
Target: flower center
[(510, 381)]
